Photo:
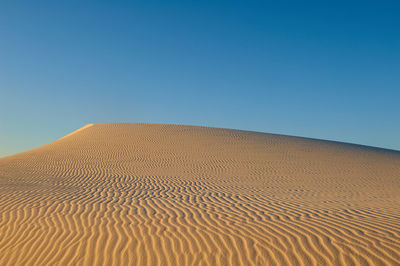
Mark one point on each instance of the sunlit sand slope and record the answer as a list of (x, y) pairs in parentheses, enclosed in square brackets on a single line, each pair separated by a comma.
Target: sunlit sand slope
[(142, 194)]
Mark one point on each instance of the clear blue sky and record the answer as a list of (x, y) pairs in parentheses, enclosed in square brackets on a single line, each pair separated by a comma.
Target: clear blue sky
[(321, 69)]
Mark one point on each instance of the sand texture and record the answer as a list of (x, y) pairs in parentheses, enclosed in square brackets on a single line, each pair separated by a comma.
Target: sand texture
[(148, 194)]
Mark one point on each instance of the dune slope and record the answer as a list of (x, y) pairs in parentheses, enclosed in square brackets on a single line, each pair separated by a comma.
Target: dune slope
[(146, 194)]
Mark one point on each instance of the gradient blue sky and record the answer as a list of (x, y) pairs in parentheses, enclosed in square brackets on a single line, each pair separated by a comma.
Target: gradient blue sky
[(321, 69)]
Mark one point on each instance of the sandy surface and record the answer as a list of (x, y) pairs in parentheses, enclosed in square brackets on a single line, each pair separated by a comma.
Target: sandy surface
[(142, 194)]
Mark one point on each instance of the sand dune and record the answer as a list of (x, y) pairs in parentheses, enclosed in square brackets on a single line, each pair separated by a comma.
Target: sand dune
[(143, 194)]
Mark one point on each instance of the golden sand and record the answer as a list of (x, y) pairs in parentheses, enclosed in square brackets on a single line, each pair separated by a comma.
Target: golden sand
[(144, 194)]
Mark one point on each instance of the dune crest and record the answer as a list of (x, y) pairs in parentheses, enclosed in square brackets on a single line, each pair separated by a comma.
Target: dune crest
[(149, 194), (76, 131)]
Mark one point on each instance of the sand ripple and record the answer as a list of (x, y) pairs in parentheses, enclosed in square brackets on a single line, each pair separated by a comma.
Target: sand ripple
[(142, 194)]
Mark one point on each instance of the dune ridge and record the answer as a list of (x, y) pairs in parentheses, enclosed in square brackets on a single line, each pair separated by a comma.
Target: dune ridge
[(153, 194)]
